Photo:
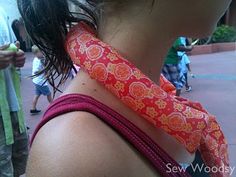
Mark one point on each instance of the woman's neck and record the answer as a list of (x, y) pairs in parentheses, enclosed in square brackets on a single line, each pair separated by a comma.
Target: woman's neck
[(145, 48)]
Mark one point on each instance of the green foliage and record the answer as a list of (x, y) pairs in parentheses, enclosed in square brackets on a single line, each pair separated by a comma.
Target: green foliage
[(224, 33)]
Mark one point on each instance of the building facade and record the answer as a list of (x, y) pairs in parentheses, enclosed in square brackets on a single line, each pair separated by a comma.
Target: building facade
[(230, 16)]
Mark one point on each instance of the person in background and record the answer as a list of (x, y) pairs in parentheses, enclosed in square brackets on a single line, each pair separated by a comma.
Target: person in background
[(13, 134), (171, 69), (184, 63), (39, 80)]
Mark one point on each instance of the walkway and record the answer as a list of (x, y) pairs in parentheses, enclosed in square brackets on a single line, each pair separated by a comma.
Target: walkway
[(215, 87)]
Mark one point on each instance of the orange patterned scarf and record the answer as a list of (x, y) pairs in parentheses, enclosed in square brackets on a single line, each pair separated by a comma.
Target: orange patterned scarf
[(186, 121)]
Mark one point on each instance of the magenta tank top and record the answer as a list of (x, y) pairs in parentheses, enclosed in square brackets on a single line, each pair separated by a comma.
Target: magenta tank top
[(132, 134)]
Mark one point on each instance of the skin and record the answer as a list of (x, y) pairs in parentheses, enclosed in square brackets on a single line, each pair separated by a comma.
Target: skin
[(185, 48), (36, 98), (79, 144), (7, 57)]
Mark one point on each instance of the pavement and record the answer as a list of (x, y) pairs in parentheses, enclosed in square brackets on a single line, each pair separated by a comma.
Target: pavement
[(214, 86)]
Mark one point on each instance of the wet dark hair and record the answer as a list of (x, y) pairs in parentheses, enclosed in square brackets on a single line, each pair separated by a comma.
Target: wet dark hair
[(47, 23)]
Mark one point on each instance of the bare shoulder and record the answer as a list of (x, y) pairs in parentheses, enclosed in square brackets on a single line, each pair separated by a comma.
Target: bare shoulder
[(79, 144)]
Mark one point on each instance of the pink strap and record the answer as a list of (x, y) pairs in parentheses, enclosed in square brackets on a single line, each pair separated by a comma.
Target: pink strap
[(144, 144)]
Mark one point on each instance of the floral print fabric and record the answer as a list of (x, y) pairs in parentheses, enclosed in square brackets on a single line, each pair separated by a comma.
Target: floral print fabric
[(186, 121)]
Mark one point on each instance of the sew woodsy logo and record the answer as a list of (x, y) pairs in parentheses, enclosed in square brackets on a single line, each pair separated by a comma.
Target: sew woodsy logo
[(200, 168)]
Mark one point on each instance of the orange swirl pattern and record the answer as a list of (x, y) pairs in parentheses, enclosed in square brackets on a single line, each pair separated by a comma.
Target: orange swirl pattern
[(187, 121)]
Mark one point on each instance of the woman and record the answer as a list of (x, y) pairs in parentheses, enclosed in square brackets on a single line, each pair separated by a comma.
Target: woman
[(73, 139)]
